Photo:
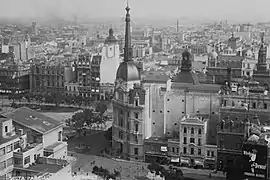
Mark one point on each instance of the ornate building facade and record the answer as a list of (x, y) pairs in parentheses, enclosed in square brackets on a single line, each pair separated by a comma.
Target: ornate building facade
[(131, 123)]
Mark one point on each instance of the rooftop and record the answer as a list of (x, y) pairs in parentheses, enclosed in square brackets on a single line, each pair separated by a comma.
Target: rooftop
[(50, 168), (33, 119)]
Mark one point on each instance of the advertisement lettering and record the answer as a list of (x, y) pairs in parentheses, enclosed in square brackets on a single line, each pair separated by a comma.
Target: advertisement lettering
[(255, 160)]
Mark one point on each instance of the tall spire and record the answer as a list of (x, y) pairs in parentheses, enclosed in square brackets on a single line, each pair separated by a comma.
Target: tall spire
[(128, 48)]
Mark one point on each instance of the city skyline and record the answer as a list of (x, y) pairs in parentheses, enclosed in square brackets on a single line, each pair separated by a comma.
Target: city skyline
[(241, 10)]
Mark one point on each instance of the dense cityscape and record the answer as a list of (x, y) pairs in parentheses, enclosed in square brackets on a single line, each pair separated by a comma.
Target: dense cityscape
[(124, 101)]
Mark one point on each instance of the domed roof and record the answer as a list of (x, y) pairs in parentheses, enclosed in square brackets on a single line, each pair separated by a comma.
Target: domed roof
[(186, 53), (128, 71), (212, 55), (110, 38)]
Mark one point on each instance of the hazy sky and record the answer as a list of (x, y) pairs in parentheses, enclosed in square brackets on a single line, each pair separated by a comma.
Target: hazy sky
[(215, 9)]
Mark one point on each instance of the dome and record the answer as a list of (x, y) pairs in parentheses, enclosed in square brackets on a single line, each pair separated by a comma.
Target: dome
[(186, 54), (212, 55), (128, 71)]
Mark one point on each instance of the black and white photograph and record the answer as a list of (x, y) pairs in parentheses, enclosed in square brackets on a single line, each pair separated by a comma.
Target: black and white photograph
[(134, 90)]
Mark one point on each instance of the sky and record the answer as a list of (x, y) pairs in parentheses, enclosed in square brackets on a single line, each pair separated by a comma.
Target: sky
[(244, 10)]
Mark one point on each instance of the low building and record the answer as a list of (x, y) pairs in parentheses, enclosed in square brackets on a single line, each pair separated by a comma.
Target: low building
[(210, 156), (156, 150)]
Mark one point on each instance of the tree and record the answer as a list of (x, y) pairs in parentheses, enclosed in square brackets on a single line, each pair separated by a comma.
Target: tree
[(77, 122), (101, 107)]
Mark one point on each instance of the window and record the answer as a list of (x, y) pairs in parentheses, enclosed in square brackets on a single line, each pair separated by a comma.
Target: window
[(6, 128), (192, 140), (2, 165), (265, 106), (10, 162), (185, 140), (185, 130), (192, 130), (136, 127), (2, 151), (184, 150), (60, 136), (200, 131), (254, 105), (26, 160), (199, 151), (208, 153), (212, 154), (199, 142), (136, 115), (136, 102), (136, 150), (9, 148), (177, 150), (173, 149), (191, 150), (17, 145)]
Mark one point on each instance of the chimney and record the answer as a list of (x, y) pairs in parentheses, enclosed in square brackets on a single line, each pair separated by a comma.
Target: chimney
[(229, 77)]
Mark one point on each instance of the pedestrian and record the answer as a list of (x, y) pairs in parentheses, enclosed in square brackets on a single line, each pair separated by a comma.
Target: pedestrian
[(210, 175)]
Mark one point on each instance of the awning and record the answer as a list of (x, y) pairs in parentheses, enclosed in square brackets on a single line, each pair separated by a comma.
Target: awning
[(184, 161), (198, 163), (175, 159)]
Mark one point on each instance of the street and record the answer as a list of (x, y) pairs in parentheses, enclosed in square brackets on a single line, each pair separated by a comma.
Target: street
[(130, 169)]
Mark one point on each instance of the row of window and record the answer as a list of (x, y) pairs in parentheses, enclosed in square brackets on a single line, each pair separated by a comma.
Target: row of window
[(9, 148), (254, 104), (192, 140), (192, 130), (5, 164), (191, 152)]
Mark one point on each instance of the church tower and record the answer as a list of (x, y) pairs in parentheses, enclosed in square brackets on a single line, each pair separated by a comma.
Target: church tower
[(262, 74), (130, 124), (111, 59)]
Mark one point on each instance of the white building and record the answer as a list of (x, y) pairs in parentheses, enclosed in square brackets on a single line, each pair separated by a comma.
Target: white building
[(111, 59), (192, 140)]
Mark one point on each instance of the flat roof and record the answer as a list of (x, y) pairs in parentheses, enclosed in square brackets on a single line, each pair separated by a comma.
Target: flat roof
[(50, 168), (7, 139), (54, 145), (33, 119)]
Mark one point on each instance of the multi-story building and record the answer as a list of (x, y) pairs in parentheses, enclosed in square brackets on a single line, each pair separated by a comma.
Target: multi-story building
[(192, 140), (30, 142), (14, 77), (262, 73), (47, 77), (130, 107), (218, 66), (88, 75)]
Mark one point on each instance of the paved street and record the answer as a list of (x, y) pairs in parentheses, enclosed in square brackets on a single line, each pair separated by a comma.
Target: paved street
[(131, 169)]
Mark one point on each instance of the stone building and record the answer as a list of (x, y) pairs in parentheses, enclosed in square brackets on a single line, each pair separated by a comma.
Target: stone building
[(131, 123)]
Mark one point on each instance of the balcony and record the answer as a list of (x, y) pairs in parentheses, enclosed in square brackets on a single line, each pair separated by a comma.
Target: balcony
[(22, 152)]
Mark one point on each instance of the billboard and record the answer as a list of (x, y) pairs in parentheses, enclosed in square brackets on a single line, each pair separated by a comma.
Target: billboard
[(255, 160)]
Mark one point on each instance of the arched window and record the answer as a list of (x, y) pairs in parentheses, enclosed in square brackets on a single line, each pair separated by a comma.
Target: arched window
[(192, 130), (185, 130), (200, 131)]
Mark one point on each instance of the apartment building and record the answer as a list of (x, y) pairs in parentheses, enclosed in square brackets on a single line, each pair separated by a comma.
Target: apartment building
[(192, 140), (88, 75), (47, 77), (28, 142)]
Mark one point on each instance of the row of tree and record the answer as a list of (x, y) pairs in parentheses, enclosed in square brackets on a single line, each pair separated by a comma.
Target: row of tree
[(52, 98), (105, 173)]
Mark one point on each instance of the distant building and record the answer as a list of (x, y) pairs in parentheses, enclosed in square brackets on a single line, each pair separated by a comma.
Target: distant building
[(14, 79), (110, 59), (47, 78)]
